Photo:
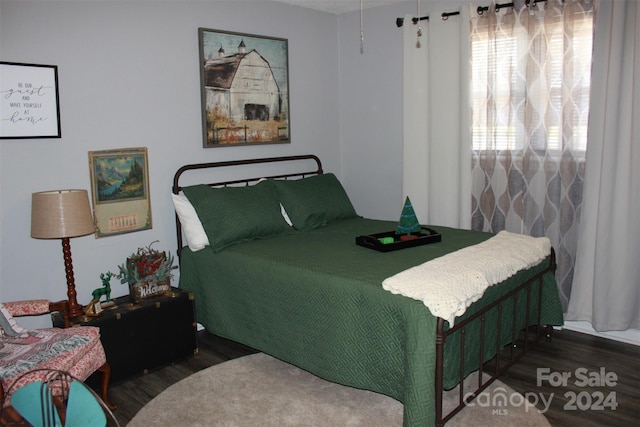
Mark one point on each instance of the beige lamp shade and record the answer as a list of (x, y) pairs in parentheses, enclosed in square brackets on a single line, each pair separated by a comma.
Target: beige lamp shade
[(61, 213)]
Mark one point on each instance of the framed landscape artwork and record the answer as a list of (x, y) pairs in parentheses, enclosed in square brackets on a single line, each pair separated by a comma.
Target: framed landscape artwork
[(29, 102), (120, 191), (244, 83)]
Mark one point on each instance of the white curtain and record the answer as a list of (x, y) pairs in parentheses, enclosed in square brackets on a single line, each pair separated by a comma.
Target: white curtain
[(606, 286), (437, 141)]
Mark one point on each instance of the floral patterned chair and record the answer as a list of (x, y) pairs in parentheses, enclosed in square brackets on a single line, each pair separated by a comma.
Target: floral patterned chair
[(77, 350)]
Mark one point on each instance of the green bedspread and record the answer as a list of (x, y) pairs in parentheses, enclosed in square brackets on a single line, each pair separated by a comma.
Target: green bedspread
[(314, 299)]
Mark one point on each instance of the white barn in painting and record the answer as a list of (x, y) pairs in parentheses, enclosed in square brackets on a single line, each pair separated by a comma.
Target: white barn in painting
[(242, 86)]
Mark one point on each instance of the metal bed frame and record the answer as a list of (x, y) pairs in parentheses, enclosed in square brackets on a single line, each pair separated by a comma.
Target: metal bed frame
[(516, 347)]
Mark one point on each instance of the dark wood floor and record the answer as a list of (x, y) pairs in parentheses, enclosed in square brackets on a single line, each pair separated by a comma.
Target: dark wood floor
[(593, 363), (581, 355)]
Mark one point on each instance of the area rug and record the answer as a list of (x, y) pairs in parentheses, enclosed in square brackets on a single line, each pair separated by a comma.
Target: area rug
[(259, 390)]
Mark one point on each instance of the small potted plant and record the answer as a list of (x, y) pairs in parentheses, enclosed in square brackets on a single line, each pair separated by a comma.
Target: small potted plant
[(148, 273)]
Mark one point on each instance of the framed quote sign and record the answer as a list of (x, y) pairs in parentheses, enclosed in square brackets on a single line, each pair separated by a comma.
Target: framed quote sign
[(29, 102)]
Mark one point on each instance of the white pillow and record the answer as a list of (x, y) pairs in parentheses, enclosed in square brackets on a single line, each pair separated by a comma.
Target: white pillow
[(282, 210), (285, 215), (8, 325), (193, 231)]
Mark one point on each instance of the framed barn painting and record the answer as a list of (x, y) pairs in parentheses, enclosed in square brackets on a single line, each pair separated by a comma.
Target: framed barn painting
[(120, 190), (244, 83)]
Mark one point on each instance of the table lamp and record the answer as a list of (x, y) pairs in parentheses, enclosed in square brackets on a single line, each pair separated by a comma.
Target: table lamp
[(62, 214)]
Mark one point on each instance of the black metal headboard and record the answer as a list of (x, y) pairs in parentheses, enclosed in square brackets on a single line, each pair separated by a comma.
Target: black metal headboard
[(235, 163)]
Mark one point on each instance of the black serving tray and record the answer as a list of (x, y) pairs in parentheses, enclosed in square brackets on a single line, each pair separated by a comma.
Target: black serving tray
[(427, 235)]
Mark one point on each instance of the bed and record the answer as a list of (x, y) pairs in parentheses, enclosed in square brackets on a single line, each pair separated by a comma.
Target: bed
[(287, 278)]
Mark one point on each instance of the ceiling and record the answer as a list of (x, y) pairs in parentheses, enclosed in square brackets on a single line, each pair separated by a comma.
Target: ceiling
[(338, 6)]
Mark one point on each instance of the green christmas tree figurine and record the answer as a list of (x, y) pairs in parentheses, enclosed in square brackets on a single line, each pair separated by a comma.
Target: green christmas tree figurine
[(408, 222)]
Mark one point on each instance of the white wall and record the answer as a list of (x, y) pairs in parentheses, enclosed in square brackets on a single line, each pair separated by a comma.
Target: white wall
[(371, 110), (129, 77)]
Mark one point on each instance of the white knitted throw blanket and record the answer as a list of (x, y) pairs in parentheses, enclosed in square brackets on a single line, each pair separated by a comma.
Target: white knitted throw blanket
[(449, 284)]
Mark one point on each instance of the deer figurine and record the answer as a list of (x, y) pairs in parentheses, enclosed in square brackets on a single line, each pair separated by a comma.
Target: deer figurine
[(105, 289)]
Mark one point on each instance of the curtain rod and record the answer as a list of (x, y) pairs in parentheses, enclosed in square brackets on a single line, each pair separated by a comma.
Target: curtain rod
[(480, 10)]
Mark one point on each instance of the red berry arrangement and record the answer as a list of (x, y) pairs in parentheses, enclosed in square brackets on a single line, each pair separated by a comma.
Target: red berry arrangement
[(147, 264)]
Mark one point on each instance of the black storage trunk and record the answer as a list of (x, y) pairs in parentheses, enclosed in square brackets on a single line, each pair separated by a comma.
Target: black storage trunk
[(139, 337)]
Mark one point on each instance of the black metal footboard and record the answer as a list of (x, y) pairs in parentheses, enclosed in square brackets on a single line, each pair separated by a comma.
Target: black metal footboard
[(502, 361)]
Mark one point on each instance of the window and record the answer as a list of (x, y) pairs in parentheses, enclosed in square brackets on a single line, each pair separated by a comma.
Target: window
[(531, 80)]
